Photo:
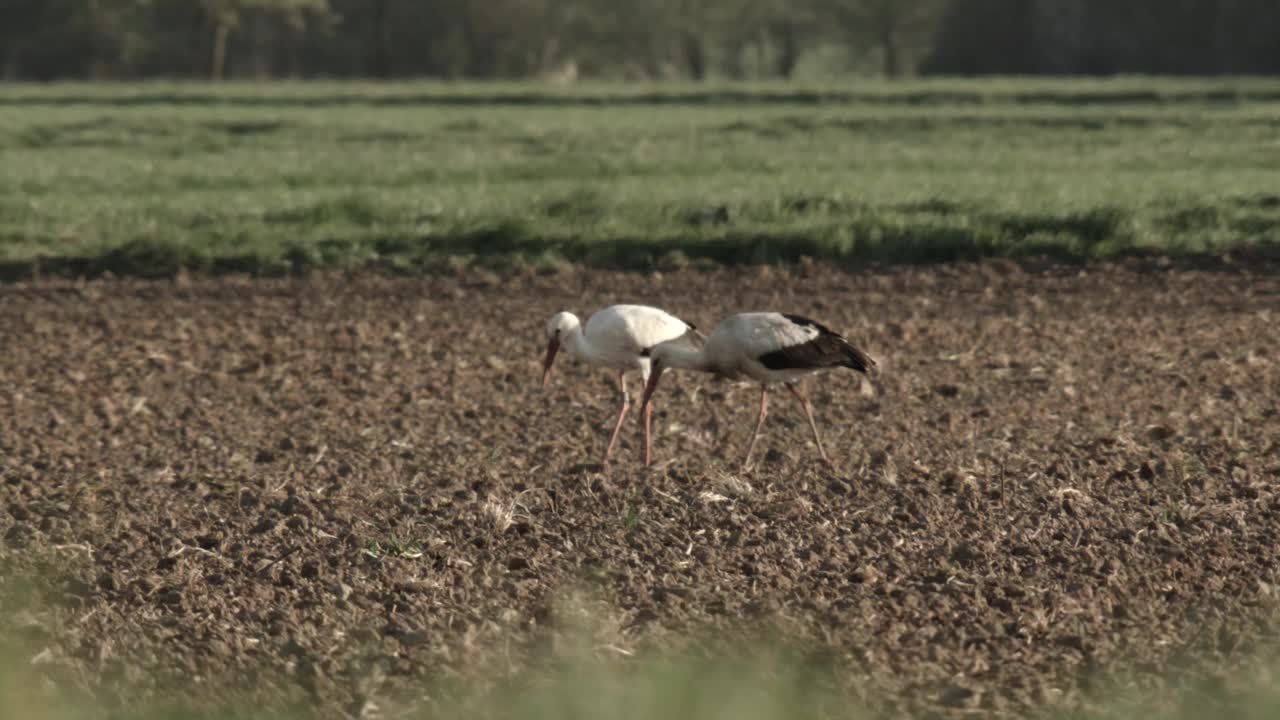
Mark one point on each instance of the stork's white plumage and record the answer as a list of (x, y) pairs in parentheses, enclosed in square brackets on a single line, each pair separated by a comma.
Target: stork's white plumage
[(767, 347), (618, 337)]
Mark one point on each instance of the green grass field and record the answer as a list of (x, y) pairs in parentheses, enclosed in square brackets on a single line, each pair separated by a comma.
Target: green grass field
[(143, 179)]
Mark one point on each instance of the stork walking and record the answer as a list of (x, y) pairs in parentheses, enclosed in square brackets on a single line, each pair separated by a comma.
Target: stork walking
[(618, 337), (766, 347)]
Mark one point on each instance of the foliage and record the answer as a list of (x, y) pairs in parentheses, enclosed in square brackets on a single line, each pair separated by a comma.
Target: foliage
[(894, 26), (650, 39), (1099, 37)]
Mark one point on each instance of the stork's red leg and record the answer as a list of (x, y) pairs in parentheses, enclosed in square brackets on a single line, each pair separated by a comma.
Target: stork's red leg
[(648, 414), (808, 413), (622, 415), (764, 409)]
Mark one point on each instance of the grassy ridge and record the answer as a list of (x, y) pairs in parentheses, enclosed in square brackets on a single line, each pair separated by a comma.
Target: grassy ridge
[(584, 670), (763, 682), (145, 179), (987, 90)]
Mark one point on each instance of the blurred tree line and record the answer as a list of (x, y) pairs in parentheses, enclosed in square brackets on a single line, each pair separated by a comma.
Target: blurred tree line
[(639, 39)]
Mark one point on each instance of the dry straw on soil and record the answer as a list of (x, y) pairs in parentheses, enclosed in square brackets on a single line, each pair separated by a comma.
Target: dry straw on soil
[(1061, 478)]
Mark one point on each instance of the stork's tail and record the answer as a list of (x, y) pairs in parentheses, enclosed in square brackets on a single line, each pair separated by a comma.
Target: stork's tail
[(856, 359)]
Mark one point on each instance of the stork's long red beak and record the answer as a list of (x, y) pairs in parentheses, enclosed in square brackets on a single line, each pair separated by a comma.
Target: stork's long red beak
[(655, 372), (552, 347)]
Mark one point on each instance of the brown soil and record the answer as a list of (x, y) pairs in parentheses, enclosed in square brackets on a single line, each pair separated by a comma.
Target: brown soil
[(1056, 474)]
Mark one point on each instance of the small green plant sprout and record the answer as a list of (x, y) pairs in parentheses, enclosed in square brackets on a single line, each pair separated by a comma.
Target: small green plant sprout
[(393, 547)]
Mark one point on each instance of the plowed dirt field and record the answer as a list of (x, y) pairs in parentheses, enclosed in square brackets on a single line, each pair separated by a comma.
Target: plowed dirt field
[(342, 488)]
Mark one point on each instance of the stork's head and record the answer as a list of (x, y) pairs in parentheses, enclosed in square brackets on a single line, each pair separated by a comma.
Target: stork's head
[(559, 327), (686, 352)]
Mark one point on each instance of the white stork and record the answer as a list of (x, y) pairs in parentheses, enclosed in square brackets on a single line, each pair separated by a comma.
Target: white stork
[(618, 337), (767, 347)]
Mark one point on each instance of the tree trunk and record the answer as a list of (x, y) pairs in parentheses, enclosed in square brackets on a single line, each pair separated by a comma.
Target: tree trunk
[(695, 55), (262, 47), (788, 53), (221, 33), (382, 41), (761, 47), (544, 60), (198, 56), (480, 54), (889, 45), (97, 63), (733, 59)]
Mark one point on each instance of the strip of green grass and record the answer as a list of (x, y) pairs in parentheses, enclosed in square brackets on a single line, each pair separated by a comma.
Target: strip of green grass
[(927, 91), (582, 666), (757, 683), (271, 179)]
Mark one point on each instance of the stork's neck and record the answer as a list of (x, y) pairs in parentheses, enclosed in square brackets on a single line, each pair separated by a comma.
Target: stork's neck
[(576, 343), (687, 358)]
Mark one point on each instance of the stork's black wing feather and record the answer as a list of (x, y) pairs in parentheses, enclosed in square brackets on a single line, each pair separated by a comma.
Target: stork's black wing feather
[(827, 349), (807, 322)]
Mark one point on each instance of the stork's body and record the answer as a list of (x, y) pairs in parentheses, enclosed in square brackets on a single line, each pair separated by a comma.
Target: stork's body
[(619, 338), (766, 347)]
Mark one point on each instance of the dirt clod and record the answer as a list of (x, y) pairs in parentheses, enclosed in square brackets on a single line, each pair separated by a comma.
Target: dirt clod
[(322, 459)]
